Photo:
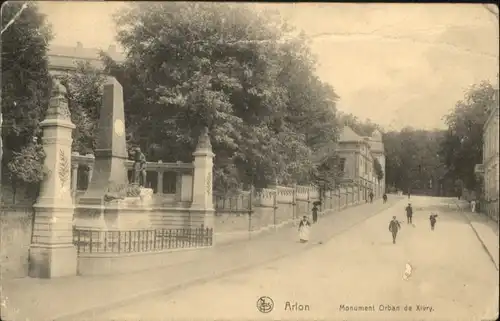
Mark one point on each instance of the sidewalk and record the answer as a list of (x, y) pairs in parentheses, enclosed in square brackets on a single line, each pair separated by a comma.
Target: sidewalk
[(487, 231), (77, 297)]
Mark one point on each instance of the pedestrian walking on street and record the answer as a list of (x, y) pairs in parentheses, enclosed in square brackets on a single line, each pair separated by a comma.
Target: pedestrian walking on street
[(304, 230), (385, 198), (315, 212), (394, 227), (371, 197), (473, 206), (409, 214), (432, 218)]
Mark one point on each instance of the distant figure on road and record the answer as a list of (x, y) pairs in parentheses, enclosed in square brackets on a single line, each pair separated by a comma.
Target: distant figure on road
[(394, 227), (409, 214), (371, 197), (473, 206), (432, 218), (385, 198), (304, 230), (315, 213)]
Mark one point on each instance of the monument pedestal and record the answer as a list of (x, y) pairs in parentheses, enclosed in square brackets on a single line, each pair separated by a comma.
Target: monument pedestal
[(52, 253), (130, 213), (52, 260), (90, 217)]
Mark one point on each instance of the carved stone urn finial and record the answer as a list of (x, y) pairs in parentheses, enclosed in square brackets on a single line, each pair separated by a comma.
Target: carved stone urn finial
[(204, 140), (58, 106)]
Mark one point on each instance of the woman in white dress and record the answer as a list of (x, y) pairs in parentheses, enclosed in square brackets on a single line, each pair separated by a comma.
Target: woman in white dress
[(304, 230)]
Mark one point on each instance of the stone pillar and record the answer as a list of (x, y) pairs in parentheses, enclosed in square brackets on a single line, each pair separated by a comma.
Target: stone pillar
[(159, 183), (294, 201), (1, 141), (202, 203), (91, 168), (74, 176), (178, 187), (52, 253)]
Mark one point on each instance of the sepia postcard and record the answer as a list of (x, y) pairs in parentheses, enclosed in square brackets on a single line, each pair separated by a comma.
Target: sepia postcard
[(249, 161)]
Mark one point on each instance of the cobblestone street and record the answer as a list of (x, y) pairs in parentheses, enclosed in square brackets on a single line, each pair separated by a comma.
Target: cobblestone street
[(452, 277)]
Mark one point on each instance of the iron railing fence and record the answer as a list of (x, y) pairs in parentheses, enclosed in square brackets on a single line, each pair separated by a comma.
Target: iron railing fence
[(91, 241)]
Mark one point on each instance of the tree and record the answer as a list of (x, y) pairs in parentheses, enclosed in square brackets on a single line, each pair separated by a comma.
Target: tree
[(84, 93), (412, 158), (377, 168), (462, 147), (26, 86), (361, 127), (228, 68)]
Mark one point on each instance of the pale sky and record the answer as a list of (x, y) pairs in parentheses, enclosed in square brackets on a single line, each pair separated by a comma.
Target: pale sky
[(397, 64)]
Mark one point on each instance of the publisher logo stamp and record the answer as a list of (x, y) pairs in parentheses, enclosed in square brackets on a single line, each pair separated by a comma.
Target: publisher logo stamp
[(265, 304)]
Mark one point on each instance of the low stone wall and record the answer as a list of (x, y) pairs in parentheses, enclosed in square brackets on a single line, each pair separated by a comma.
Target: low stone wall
[(108, 263), (16, 223), (169, 218), (277, 207)]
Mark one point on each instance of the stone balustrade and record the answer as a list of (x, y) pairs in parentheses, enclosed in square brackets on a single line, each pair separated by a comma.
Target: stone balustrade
[(265, 197), (285, 194), (163, 178)]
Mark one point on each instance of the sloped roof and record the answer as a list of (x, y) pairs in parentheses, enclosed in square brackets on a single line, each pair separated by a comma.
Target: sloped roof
[(348, 135), (81, 52), (323, 153), (67, 56), (377, 135)]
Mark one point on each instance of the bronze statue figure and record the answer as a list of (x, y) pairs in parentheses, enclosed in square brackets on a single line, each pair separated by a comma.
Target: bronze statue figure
[(139, 170)]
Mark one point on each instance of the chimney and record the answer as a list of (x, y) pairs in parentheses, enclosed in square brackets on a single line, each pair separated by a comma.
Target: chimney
[(79, 45)]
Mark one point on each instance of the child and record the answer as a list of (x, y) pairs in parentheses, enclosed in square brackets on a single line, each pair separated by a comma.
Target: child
[(432, 218)]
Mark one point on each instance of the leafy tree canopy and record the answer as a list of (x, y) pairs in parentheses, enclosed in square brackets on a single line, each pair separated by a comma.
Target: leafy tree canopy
[(462, 147), (26, 86), (377, 168), (361, 127), (233, 70), (84, 94), (412, 158)]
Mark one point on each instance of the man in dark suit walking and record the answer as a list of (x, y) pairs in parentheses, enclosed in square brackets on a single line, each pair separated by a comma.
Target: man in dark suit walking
[(409, 214), (394, 227)]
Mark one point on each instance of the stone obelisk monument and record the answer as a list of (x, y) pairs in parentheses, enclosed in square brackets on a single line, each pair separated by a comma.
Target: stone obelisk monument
[(52, 253), (110, 157)]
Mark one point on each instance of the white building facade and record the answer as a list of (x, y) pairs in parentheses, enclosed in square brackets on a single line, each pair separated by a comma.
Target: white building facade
[(490, 161)]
